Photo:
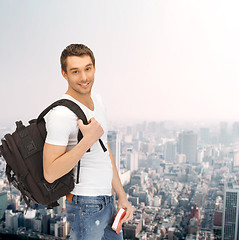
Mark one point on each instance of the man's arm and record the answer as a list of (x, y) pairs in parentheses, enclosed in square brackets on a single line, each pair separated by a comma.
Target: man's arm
[(118, 188), (57, 162)]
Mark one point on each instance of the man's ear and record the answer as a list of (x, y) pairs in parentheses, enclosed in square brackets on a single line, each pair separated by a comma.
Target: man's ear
[(64, 74)]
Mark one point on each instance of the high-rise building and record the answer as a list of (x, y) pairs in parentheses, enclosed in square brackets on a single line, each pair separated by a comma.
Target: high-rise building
[(230, 212), (236, 158), (132, 229), (235, 130), (8, 219), (223, 132), (61, 229), (114, 142), (187, 144), (46, 223), (3, 203), (170, 151), (132, 160), (204, 135), (37, 224)]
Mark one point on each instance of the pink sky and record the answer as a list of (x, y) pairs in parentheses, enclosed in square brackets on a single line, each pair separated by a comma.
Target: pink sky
[(155, 60)]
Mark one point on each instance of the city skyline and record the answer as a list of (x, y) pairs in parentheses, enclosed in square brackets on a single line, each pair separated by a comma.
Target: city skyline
[(175, 194), (155, 60)]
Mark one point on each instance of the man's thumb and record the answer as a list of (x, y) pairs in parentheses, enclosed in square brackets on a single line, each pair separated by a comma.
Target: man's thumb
[(80, 123)]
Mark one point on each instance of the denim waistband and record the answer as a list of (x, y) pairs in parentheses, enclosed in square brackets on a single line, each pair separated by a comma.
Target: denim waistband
[(92, 199)]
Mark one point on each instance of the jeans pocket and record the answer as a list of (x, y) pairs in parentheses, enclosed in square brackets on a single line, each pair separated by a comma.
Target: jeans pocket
[(91, 209)]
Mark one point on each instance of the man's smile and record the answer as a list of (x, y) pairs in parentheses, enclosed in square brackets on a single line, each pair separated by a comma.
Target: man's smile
[(84, 85)]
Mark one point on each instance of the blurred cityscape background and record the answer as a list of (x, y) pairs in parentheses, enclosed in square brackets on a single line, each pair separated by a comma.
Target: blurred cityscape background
[(168, 73), (182, 179)]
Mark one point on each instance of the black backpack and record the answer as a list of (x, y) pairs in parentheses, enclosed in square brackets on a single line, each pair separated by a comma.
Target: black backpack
[(23, 150)]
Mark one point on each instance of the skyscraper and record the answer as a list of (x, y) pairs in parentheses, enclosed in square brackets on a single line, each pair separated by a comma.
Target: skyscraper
[(114, 142), (3, 203), (223, 132), (230, 212), (235, 130), (204, 135), (132, 160), (170, 151), (187, 144)]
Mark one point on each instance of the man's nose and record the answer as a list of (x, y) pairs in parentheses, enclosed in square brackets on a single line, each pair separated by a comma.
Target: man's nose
[(83, 76)]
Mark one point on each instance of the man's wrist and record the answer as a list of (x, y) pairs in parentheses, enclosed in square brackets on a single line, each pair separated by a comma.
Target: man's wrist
[(86, 142), (122, 196)]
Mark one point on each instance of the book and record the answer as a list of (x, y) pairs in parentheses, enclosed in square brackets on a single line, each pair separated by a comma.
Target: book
[(117, 224)]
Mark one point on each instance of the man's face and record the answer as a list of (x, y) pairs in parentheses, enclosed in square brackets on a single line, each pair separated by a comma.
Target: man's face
[(79, 74)]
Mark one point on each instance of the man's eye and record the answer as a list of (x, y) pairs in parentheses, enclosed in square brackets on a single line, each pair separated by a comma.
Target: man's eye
[(88, 69), (75, 72)]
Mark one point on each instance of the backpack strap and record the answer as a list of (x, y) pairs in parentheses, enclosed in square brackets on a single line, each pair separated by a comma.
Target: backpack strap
[(74, 108), (67, 103)]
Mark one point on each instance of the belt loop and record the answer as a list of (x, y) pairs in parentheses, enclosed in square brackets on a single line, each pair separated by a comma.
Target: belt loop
[(75, 199), (105, 199)]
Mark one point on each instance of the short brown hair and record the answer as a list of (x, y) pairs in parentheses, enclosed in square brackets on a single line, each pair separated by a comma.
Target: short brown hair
[(75, 50)]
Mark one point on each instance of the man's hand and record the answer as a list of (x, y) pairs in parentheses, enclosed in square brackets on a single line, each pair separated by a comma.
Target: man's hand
[(124, 203), (92, 132)]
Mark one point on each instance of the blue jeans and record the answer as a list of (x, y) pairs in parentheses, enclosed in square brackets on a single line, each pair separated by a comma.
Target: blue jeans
[(91, 218)]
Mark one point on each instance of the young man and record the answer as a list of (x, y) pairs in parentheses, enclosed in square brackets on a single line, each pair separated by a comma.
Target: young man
[(89, 206)]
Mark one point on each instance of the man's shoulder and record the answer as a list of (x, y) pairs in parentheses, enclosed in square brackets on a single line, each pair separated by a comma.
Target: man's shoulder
[(60, 112)]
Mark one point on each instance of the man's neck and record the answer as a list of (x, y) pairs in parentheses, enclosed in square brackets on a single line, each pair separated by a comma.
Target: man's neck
[(85, 99)]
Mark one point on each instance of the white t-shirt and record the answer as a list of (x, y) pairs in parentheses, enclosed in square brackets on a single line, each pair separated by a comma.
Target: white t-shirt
[(95, 167)]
